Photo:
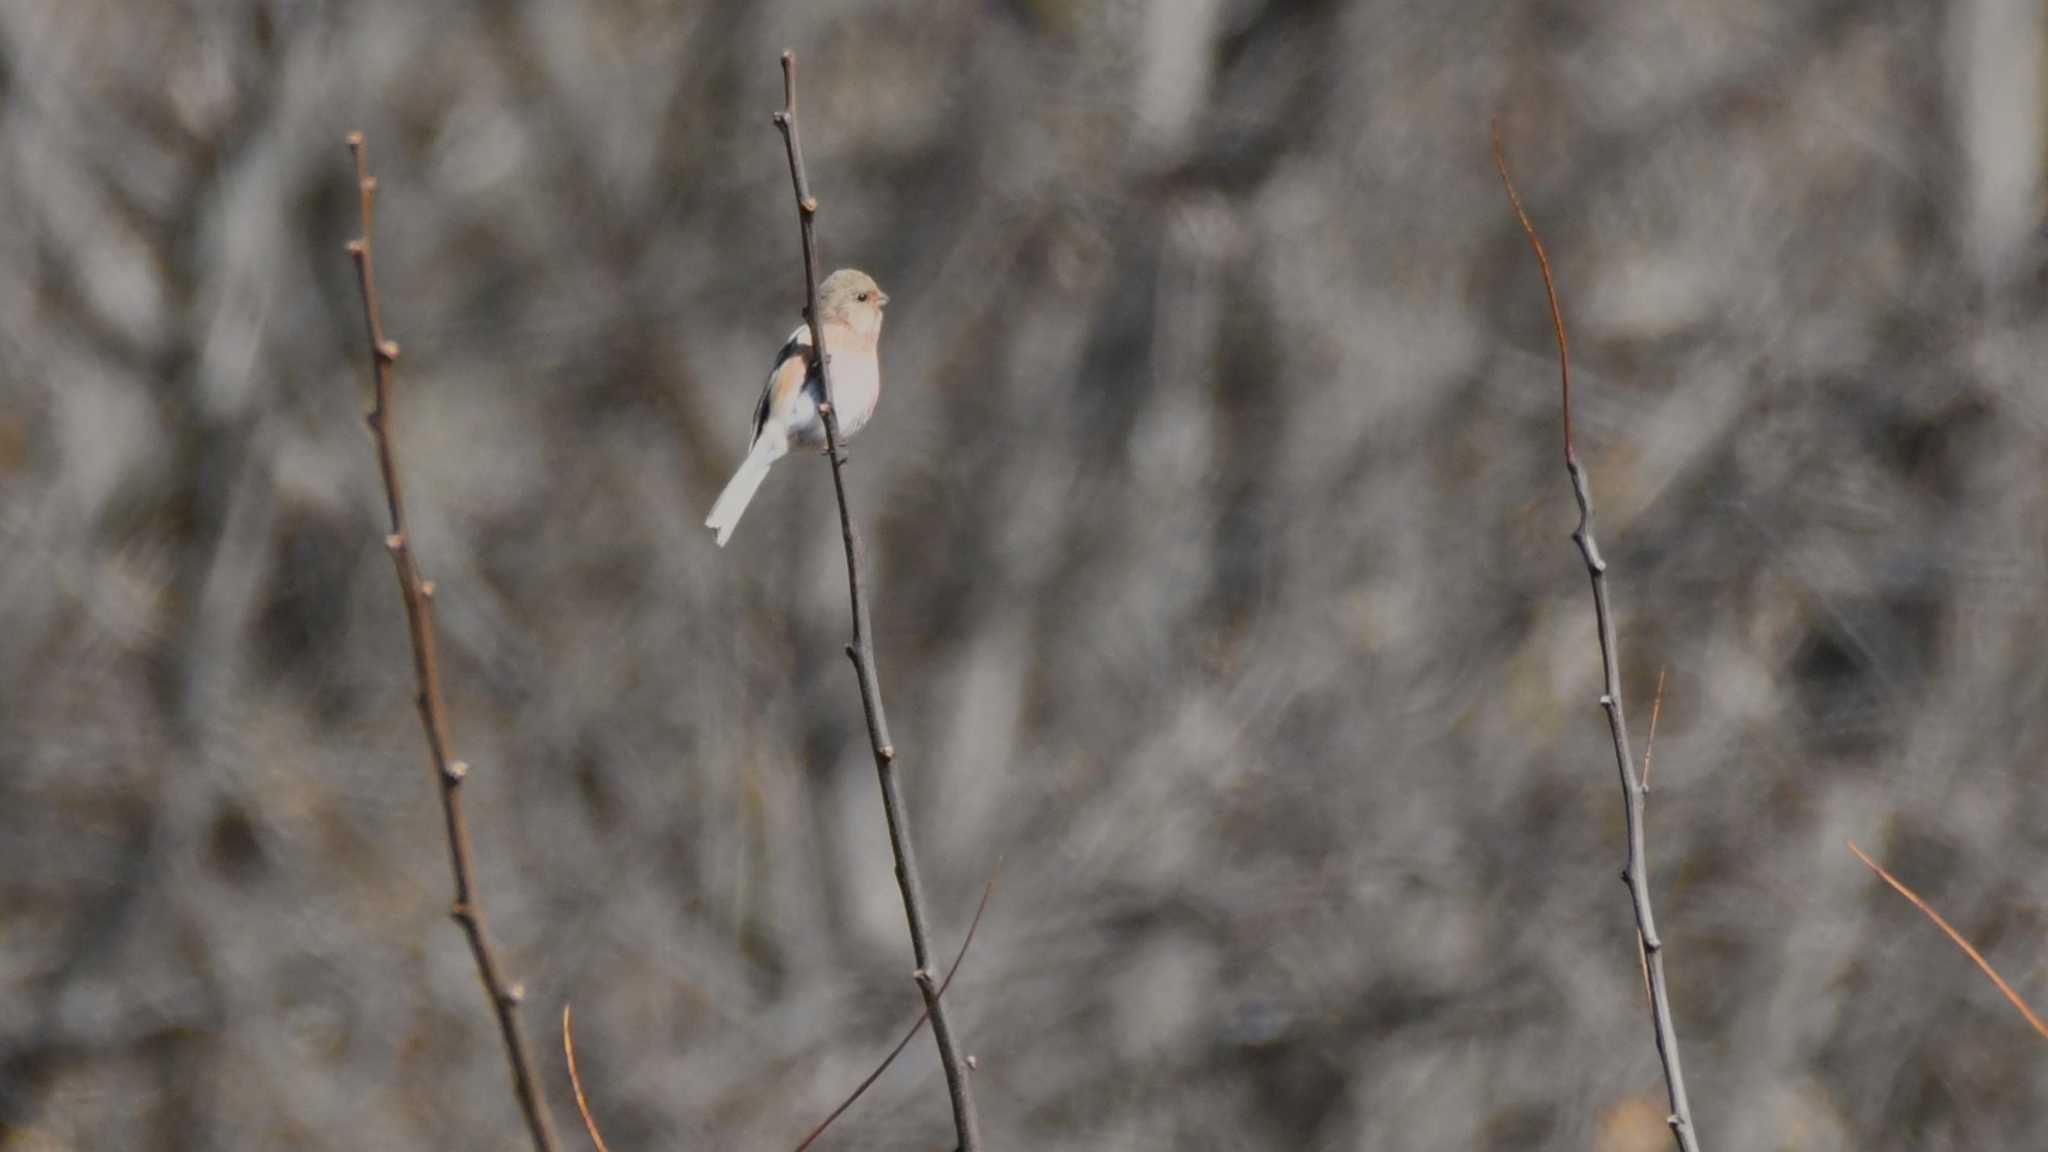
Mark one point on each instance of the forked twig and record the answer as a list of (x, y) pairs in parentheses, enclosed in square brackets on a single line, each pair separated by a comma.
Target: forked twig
[(418, 593), (811, 1137), (859, 1090), (862, 650), (1975, 956), (1635, 873)]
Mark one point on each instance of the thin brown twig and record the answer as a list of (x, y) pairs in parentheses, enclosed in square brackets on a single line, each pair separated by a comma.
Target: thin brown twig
[(418, 594), (576, 1083), (811, 1137), (1635, 873), (1975, 956), (862, 650), (1656, 710)]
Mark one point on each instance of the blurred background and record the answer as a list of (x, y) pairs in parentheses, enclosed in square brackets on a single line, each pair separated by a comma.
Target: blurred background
[(1220, 540)]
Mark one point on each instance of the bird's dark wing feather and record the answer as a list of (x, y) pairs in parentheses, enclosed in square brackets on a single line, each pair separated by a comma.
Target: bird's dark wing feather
[(798, 345)]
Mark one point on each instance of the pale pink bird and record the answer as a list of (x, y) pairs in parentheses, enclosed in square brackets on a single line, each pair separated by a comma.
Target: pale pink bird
[(851, 306)]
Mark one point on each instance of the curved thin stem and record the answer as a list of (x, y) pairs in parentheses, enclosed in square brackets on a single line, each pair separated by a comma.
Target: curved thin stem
[(1976, 957), (576, 1084)]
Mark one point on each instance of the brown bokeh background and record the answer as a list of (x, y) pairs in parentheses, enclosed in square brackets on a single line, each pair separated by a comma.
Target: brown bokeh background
[(1220, 539)]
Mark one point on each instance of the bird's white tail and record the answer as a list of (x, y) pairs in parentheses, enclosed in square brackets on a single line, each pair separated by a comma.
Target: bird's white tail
[(739, 491)]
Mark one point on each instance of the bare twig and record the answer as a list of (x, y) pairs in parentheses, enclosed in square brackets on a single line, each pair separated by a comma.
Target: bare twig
[(576, 1084), (418, 593), (1636, 872), (1649, 750), (1656, 710), (973, 925), (862, 650), (1975, 956)]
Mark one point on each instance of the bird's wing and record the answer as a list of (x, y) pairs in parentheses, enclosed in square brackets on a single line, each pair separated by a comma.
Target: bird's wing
[(791, 365)]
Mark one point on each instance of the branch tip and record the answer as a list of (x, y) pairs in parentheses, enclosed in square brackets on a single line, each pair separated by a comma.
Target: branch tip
[(1564, 368), (1976, 957), (576, 1084)]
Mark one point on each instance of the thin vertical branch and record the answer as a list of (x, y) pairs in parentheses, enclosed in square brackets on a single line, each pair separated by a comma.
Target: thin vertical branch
[(862, 650), (1975, 956), (418, 594), (1635, 873)]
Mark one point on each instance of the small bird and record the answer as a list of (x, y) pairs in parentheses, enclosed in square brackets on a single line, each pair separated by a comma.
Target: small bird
[(851, 303)]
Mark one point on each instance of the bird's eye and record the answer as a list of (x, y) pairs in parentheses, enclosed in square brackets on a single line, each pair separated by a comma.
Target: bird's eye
[(863, 297)]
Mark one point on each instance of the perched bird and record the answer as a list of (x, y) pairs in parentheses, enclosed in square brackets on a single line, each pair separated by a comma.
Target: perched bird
[(850, 304)]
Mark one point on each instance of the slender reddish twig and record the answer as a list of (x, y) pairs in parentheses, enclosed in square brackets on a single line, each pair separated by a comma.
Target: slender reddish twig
[(576, 1083), (1656, 710), (418, 593), (812, 1136), (1974, 955), (862, 650), (1635, 873)]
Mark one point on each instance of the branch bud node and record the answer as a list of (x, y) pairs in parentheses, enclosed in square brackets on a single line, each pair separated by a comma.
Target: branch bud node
[(456, 771), (395, 541)]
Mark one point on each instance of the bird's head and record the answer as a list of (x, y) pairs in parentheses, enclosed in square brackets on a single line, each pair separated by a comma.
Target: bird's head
[(852, 298)]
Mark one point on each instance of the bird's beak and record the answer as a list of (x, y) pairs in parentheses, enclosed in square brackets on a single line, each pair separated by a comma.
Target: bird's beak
[(881, 299)]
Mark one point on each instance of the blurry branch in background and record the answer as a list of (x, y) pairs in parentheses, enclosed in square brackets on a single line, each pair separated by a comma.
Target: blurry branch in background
[(1636, 872), (967, 942), (1974, 955), (418, 594), (576, 1083), (862, 650)]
